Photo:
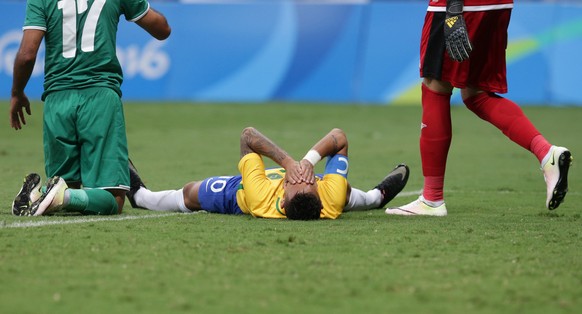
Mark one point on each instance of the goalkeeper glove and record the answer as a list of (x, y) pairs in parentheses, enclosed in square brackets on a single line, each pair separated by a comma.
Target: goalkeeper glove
[(456, 36)]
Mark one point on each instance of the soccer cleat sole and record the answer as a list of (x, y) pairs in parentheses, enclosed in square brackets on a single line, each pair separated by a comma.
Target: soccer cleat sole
[(405, 212), (559, 193), (396, 180), (22, 202), (40, 206)]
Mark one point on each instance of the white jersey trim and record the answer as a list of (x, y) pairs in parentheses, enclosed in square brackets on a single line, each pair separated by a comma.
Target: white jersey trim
[(119, 187), (475, 8), (141, 15), (40, 28)]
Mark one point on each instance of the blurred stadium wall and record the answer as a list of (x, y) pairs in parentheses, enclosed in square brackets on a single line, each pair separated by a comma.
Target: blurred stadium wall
[(337, 51)]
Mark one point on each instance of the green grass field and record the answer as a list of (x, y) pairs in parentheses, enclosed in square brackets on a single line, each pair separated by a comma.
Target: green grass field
[(498, 251)]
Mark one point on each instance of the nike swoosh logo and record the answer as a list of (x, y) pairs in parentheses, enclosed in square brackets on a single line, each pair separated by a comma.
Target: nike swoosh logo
[(552, 162)]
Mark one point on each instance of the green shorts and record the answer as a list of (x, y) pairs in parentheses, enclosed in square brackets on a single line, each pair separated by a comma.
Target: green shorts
[(84, 138)]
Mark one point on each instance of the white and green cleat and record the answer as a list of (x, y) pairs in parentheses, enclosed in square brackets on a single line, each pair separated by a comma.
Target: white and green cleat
[(52, 199), (418, 207)]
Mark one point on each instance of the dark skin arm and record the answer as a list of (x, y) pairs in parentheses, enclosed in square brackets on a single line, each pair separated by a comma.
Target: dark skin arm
[(23, 66), (155, 24)]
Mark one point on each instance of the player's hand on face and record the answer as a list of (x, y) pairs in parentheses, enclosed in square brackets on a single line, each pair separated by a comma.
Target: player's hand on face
[(16, 113), (293, 173), (307, 172)]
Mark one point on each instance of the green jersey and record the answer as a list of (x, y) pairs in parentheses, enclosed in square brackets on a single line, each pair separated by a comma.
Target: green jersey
[(80, 37)]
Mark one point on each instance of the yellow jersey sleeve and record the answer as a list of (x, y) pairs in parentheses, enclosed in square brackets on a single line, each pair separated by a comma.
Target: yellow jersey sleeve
[(332, 190), (262, 191)]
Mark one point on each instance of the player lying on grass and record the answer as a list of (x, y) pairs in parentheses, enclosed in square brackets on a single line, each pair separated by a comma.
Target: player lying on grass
[(293, 191)]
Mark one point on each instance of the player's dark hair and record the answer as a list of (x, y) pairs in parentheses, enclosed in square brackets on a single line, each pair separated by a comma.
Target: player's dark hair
[(303, 206)]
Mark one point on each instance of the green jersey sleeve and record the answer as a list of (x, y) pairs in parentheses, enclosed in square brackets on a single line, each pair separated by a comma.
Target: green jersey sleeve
[(35, 15), (134, 10)]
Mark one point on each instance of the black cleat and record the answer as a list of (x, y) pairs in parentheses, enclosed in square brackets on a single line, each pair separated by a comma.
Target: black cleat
[(393, 183), (135, 183), (28, 194)]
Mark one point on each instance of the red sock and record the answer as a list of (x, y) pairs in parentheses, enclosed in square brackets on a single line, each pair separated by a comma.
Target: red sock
[(505, 115), (435, 140), (540, 147), (433, 188)]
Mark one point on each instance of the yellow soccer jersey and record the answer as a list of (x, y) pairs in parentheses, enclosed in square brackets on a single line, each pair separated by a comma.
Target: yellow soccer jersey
[(262, 190)]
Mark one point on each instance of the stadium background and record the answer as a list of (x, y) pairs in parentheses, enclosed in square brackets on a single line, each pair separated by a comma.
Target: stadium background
[(498, 251), (334, 51)]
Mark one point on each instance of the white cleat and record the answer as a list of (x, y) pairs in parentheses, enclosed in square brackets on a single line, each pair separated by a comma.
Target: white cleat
[(418, 207), (555, 171)]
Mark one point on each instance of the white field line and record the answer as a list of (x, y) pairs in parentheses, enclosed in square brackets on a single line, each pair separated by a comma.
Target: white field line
[(409, 193), (32, 224)]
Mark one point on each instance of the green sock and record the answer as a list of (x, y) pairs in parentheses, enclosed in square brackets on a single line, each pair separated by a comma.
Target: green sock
[(76, 200), (91, 202)]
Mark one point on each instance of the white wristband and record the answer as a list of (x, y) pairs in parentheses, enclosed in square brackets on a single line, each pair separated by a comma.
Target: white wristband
[(312, 156)]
